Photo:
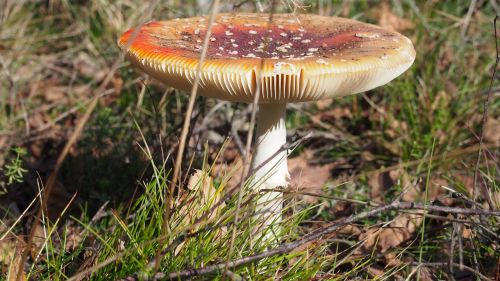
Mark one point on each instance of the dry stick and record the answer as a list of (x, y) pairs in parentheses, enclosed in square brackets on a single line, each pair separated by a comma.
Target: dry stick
[(354, 218), (246, 157), (485, 110), (453, 154), (74, 136), (52, 179), (182, 237), (320, 233), (184, 132), (231, 191), (444, 264), (467, 19)]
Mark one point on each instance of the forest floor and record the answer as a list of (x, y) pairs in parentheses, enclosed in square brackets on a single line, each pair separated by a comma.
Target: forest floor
[(402, 182)]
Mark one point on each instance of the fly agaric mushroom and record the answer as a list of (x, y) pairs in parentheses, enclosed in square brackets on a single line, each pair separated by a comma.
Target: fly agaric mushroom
[(295, 58)]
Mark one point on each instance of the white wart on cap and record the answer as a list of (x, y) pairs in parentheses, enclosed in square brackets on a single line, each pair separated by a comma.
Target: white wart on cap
[(305, 57)]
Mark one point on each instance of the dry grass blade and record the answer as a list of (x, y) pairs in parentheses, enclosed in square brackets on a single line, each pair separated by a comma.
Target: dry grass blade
[(52, 178), (434, 158), (485, 108), (324, 231), (71, 141), (246, 158), (184, 132)]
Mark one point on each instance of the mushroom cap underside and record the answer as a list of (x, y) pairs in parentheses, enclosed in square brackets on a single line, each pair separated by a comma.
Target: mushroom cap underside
[(289, 59)]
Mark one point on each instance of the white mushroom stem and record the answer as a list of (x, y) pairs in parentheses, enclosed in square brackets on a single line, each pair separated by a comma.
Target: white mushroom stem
[(270, 162)]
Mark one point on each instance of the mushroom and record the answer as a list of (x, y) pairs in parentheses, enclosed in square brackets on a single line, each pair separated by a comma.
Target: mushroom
[(296, 58)]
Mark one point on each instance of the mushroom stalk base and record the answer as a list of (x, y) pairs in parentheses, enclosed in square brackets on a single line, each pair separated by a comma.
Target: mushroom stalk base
[(270, 164)]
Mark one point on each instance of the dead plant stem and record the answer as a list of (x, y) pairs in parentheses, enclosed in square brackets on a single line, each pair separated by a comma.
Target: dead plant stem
[(324, 231), (246, 156), (185, 129), (485, 111)]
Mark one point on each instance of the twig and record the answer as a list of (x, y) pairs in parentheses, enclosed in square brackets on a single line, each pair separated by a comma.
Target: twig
[(402, 206), (322, 232), (444, 264), (467, 19), (246, 156), (485, 110), (185, 130), (72, 140), (293, 193), (231, 191)]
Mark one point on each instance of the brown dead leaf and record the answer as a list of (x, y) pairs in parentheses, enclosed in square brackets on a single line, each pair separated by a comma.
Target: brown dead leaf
[(323, 104), (55, 93), (38, 120), (425, 273), (435, 188), (335, 114), (205, 193), (38, 240), (376, 273), (391, 21), (411, 192), (400, 230), (379, 184), (349, 230), (492, 130), (392, 259), (230, 171), (199, 199), (445, 58), (465, 181), (308, 177), (367, 156), (74, 237), (11, 256), (393, 146), (396, 128), (466, 232)]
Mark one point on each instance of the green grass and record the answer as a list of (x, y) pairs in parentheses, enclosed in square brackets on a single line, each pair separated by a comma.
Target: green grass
[(123, 158)]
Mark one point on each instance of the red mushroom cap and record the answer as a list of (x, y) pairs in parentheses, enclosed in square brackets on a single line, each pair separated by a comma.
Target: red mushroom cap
[(296, 57)]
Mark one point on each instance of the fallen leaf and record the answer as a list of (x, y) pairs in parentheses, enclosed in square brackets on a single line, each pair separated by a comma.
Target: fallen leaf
[(349, 230), (466, 232), (400, 230), (392, 146), (390, 21), (411, 192), (201, 197), (435, 188), (464, 183), (205, 193), (323, 104), (38, 240), (308, 177), (367, 156), (379, 183), (445, 58), (13, 260), (73, 236), (492, 130), (376, 273), (335, 114), (229, 172)]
